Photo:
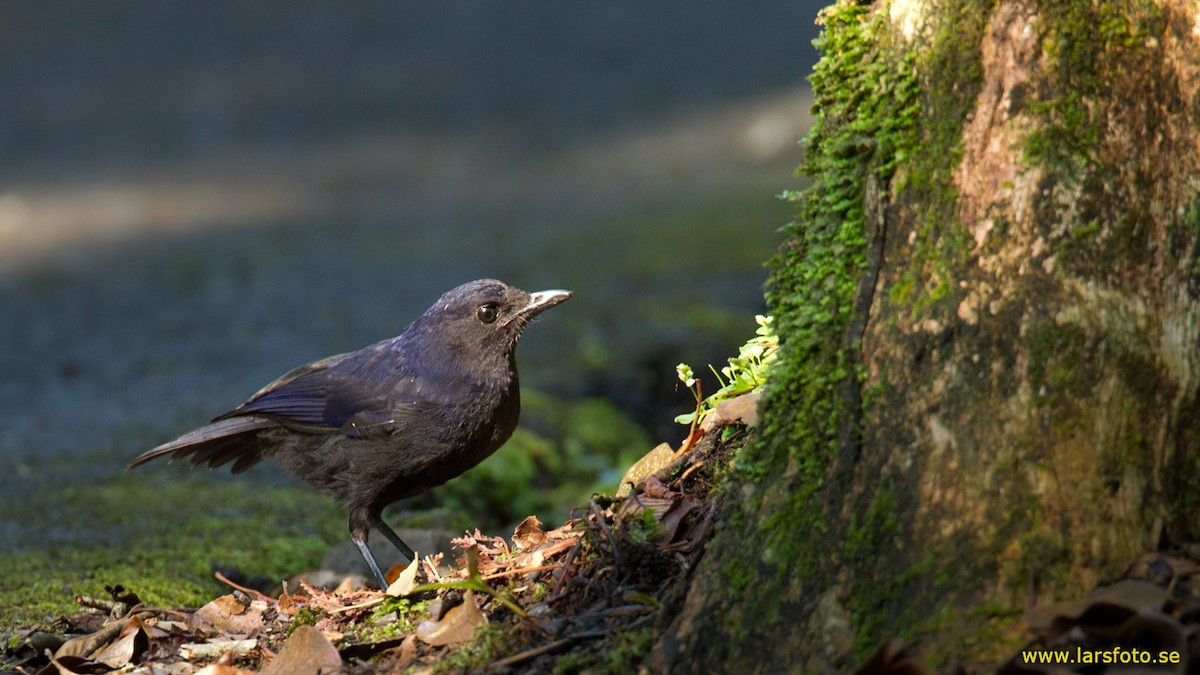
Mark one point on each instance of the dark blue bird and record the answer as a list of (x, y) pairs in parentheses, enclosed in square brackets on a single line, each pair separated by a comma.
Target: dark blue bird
[(391, 420)]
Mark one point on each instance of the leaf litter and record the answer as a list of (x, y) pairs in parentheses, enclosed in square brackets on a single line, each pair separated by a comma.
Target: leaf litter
[(600, 583)]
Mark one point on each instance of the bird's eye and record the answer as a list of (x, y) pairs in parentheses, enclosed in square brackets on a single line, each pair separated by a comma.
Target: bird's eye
[(488, 313)]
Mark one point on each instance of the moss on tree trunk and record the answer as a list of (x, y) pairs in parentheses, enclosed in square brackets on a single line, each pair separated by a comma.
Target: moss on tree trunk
[(990, 335)]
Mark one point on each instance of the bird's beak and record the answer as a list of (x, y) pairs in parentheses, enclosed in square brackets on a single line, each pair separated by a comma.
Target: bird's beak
[(541, 301)]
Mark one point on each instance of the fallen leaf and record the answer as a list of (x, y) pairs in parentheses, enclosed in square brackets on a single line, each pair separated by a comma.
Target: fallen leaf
[(86, 645), (652, 462), (1116, 603), (407, 581), (407, 653), (529, 534), (227, 615), (653, 487), (674, 516), (74, 665), (456, 627), (306, 652), (288, 605), (632, 508), (131, 642)]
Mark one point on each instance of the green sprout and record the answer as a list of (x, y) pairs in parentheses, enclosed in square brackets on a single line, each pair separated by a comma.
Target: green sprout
[(746, 372)]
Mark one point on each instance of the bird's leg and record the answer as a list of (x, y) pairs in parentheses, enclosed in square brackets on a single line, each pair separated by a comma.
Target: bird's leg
[(366, 554), (360, 525), (395, 539)]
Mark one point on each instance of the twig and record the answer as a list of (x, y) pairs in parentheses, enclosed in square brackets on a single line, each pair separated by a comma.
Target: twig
[(566, 566), (362, 605), (612, 543), (96, 603), (474, 582), (523, 570), (548, 648), (248, 591), (164, 610), (690, 470)]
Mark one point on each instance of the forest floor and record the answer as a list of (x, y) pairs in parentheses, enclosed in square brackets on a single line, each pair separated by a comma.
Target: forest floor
[(593, 593)]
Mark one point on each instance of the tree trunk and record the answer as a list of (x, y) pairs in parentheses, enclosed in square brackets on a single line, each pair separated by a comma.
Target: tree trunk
[(990, 326)]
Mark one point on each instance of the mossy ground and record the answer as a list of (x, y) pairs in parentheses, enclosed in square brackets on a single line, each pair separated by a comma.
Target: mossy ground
[(163, 530), (162, 534)]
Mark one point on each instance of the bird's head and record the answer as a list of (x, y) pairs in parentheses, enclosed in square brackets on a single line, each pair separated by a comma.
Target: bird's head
[(486, 315)]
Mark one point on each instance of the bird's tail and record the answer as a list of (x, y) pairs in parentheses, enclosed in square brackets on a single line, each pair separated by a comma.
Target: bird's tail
[(218, 443)]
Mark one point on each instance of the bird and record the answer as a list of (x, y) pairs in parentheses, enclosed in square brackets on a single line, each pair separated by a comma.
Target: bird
[(388, 421)]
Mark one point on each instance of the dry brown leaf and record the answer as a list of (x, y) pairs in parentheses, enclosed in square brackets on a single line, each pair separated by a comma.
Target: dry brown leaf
[(227, 615), (74, 665), (131, 642), (488, 546), (673, 518), (653, 487), (407, 581), (456, 627), (529, 534), (1126, 597), (290, 603), (306, 652), (86, 645), (406, 653)]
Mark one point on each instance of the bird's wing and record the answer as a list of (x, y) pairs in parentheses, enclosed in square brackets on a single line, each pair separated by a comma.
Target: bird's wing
[(326, 395)]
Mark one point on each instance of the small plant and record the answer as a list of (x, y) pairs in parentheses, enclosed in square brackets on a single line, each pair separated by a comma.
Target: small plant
[(746, 372)]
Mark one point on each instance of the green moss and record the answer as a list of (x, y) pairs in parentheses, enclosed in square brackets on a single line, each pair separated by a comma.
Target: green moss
[(644, 528), (872, 114), (1089, 45), (305, 616), (392, 618), (884, 112), (862, 542), (629, 647), (1101, 58), (941, 245), (622, 653), (161, 534), (867, 106)]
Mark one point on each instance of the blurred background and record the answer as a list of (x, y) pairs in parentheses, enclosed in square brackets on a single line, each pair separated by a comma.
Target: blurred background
[(197, 197)]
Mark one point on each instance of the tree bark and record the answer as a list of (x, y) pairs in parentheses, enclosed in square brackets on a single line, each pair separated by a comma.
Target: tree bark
[(989, 312)]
